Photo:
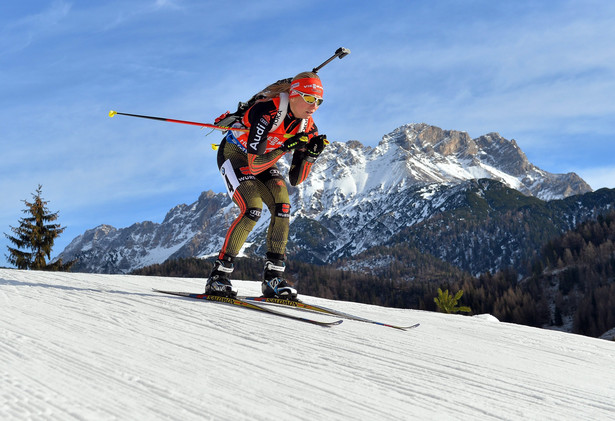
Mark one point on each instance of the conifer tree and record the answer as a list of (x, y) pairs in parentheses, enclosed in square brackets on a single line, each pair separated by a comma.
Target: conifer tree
[(35, 236), (447, 303)]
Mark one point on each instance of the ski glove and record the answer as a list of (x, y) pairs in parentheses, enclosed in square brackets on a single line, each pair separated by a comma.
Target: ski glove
[(292, 142), (316, 145)]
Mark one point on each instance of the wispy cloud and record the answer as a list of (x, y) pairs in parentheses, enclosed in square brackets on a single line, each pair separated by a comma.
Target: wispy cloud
[(514, 68), (168, 4), (18, 35)]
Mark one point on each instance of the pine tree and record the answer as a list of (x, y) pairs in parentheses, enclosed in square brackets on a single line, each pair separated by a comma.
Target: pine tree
[(36, 234)]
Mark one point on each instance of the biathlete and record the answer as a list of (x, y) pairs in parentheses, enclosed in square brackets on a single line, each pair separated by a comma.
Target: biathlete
[(247, 162)]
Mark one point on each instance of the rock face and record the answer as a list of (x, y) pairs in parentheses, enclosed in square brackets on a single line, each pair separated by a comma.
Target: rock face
[(448, 156), (355, 198)]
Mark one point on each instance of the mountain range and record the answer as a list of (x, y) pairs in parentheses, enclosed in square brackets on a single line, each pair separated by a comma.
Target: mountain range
[(438, 190)]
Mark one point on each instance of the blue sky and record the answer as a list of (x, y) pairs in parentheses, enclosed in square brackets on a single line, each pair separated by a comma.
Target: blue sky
[(539, 72)]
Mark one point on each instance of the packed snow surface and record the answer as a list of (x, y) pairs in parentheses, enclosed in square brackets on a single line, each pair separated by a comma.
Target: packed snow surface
[(105, 347)]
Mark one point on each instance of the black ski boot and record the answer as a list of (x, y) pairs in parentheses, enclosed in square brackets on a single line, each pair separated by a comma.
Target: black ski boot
[(274, 286), (218, 282)]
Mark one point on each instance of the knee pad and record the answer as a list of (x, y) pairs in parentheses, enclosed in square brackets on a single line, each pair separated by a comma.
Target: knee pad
[(282, 210), (253, 213)]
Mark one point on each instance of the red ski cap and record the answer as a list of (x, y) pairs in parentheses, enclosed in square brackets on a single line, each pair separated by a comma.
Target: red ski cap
[(308, 85)]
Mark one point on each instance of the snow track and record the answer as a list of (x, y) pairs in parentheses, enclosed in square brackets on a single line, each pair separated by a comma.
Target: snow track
[(103, 347)]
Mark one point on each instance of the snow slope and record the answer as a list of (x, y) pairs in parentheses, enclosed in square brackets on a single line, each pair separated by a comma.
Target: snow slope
[(104, 347)]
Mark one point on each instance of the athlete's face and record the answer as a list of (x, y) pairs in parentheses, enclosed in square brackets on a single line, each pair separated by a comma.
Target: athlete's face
[(301, 108)]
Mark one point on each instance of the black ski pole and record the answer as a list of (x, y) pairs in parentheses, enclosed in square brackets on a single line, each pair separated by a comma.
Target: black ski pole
[(340, 52)]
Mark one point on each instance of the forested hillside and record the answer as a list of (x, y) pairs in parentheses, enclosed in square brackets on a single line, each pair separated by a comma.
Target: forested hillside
[(572, 286)]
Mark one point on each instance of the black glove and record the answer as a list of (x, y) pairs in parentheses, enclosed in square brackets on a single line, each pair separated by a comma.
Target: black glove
[(316, 145), (292, 142)]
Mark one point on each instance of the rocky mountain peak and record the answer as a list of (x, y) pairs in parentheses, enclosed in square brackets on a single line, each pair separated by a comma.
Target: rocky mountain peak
[(425, 139), (434, 155), (504, 153)]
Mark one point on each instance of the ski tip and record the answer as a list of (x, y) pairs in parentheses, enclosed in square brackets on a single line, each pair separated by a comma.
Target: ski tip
[(112, 113)]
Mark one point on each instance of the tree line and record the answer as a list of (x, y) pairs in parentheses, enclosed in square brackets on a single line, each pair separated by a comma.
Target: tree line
[(579, 265)]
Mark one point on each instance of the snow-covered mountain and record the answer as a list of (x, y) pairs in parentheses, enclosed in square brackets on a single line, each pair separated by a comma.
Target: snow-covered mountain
[(419, 154), (105, 347), (355, 198), (183, 232)]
